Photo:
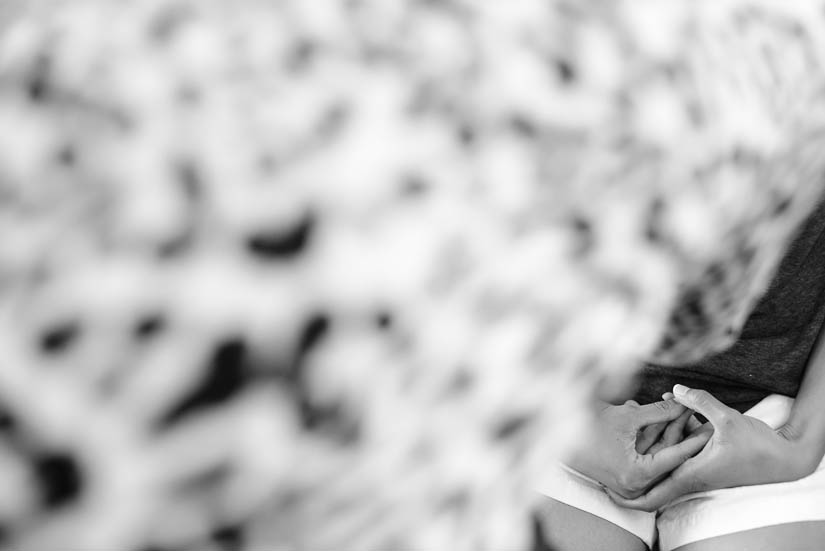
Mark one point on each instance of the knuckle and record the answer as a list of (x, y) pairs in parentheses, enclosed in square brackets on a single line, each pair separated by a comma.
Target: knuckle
[(626, 493), (664, 407), (631, 483), (623, 482), (727, 419)]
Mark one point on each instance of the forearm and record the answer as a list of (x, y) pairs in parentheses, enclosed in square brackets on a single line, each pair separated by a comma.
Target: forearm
[(806, 424)]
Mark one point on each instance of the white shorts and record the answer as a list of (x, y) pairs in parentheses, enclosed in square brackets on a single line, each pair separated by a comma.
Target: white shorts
[(703, 515)]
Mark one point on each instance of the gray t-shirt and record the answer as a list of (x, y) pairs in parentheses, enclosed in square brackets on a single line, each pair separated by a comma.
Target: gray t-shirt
[(772, 352)]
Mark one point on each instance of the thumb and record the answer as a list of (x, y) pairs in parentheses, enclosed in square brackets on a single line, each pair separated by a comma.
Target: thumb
[(703, 402)]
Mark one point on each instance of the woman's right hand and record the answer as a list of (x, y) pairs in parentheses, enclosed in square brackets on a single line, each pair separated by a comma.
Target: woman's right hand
[(631, 447)]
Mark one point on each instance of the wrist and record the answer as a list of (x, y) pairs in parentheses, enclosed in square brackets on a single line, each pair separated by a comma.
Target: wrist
[(806, 448)]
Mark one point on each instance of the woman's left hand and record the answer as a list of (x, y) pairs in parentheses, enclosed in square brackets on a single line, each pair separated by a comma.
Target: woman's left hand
[(742, 451)]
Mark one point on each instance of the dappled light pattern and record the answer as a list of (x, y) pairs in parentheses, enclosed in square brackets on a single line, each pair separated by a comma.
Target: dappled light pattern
[(341, 274)]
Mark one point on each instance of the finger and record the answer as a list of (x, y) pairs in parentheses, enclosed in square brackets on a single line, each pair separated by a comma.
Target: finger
[(684, 480), (648, 436), (693, 425), (703, 402), (631, 403), (702, 428), (673, 433), (657, 412), (672, 457)]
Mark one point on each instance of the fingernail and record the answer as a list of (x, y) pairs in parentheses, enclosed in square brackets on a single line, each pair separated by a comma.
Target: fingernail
[(667, 396), (680, 390)]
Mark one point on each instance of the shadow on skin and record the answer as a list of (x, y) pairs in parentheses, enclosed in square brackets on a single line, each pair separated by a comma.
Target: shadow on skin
[(566, 528), (797, 536), (569, 529)]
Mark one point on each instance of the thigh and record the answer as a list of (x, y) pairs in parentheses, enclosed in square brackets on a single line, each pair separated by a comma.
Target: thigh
[(796, 536), (567, 528)]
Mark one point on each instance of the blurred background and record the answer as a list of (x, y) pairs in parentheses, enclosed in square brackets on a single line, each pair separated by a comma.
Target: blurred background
[(328, 274)]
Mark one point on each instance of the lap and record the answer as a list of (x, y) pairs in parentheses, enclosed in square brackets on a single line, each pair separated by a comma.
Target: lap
[(754, 517), (796, 536), (567, 528)]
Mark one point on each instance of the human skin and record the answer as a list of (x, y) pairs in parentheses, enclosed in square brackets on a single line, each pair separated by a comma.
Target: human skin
[(582, 530), (796, 536), (620, 435), (633, 446), (794, 450), (743, 451)]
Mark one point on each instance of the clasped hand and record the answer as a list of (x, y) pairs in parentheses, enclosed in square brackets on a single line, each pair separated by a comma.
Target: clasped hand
[(633, 446), (740, 451)]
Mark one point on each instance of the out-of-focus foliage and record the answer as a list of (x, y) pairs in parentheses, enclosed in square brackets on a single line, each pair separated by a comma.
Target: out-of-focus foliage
[(328, 274)]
